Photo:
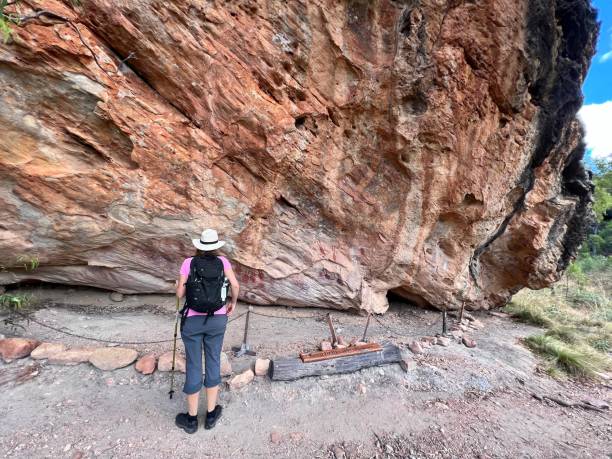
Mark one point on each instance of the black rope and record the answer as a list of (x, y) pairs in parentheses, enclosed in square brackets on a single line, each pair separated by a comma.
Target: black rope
[(272, 316), (100, 340), (312, 316)]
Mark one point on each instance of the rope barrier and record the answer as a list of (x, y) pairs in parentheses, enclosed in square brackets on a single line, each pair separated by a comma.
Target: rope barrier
[(272, 316), (312, 316), (100, 340)]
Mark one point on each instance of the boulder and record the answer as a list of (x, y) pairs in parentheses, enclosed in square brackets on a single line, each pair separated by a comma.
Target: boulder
[(457, 334), (241, 380), (46, 350), (146, 364), (16, 348), (262, 366), (468, 342), (164, 362), (226, 365), (275, 437), (443, 341), (407, 363), (343, 151), (116, 296), (111, 358), (415, 347), (72, 356)]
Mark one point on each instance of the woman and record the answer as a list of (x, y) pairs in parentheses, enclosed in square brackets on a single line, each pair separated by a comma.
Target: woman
[(201, 329)]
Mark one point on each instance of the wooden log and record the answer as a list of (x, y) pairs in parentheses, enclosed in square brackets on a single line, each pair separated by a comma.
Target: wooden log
[(288, 369)]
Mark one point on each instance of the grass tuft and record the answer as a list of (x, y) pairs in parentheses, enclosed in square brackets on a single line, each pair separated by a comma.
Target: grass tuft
[(579, 360), (578, 335)]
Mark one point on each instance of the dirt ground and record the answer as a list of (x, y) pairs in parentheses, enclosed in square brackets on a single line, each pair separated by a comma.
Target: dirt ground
[(456, 403)]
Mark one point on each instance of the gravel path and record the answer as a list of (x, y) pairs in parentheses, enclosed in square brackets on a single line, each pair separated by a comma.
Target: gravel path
[(457, 402)]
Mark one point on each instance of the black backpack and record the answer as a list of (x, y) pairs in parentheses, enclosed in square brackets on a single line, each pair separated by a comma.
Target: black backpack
[(206, 284)]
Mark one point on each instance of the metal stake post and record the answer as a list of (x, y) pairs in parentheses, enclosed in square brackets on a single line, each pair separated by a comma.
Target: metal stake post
[(444, 328), (332, 330), (366, 327), (244, 348)]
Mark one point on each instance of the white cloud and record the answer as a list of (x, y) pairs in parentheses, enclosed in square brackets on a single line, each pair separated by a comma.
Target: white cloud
[(597, 120), (606, 57)]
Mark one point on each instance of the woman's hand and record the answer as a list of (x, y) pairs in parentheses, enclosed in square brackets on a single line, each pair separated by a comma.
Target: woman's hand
[(230, 308)]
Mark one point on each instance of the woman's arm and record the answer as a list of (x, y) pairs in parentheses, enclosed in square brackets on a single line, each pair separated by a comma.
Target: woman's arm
[(180, 286), (229, 273)]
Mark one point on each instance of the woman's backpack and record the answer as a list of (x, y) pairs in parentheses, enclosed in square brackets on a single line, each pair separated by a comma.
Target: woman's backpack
[(206, 285)]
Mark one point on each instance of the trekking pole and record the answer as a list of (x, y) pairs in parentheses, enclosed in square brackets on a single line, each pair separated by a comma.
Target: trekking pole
[(171, 393)]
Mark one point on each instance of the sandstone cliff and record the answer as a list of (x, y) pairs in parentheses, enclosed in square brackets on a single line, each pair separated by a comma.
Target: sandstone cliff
[(344, 149)]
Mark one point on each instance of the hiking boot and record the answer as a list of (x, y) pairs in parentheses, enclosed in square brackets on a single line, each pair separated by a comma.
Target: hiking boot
[(213, 417), (183, 421)]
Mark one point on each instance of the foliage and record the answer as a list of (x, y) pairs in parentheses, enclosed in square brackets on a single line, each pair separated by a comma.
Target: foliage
[(6, 20), (580, 360), (577, 319), (600, 242), (10, 303)]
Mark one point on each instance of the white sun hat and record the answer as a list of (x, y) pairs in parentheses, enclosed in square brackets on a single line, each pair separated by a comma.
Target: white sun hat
[(209, 240)]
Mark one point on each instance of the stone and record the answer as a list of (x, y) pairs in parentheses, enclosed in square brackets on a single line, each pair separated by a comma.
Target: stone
[(109, 359), (469, 342), (457, 334), (46, 350), (339, 160), (146, 364), (16, 348), (164, 362), (325, 346), (262, 366), (116, 296), (241, 380), (415, 347), (407, 363), (341, 346), (275, 437), (443, 341), (429, 340), (361, 388), (226, 365), (72, 356)]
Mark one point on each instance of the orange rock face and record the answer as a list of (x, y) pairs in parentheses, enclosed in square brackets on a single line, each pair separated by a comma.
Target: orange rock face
[(343, 149)]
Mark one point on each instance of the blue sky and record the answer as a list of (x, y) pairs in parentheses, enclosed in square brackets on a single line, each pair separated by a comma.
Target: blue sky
[(596, 113)]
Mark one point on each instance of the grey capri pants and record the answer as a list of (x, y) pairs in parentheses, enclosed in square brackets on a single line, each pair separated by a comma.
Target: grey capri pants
[(198, 332)]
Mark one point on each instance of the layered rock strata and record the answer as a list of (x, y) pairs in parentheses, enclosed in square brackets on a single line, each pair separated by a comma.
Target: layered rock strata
[(343, 149)]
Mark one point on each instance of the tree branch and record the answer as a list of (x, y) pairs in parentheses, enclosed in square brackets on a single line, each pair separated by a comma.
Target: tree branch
[(37, 15)]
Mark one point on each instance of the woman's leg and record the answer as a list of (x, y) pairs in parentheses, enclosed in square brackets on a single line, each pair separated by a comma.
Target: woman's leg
[(192, 339), (211, 397), (213, 342)]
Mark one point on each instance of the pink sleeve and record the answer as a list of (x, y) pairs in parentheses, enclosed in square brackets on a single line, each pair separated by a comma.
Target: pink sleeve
[(185, 267), (226, 263)]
